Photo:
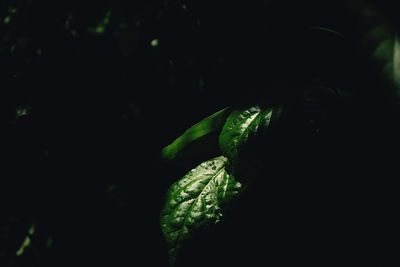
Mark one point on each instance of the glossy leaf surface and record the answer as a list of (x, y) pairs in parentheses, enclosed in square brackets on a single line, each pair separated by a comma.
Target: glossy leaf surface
[(197, 200), (241, 125)]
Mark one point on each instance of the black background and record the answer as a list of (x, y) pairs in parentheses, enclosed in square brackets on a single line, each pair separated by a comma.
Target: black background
[(84, 164)]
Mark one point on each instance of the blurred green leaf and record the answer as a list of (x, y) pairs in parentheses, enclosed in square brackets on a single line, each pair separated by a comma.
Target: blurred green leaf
[(27, 241), (386, 52), (101, 25), (7, 20), (381, 42)]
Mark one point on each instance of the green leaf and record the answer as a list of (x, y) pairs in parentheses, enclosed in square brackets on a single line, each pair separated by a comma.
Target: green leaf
[(27, 241), (203, 128), (381, 43), (101, 25), (386, 52), (196, 201), (241, 125)]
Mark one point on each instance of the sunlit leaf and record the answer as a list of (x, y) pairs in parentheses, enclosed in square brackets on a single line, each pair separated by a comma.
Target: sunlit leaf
[(241, 125), (204, 127), (197, 200)]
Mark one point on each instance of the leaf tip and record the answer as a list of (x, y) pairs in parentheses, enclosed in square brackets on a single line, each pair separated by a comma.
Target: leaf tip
[(168, 153)]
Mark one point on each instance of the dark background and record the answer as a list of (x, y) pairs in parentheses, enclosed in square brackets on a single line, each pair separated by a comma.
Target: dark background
[(83, 162)]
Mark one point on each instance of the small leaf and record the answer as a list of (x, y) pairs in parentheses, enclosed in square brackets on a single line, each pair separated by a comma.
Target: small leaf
[(196, 201), (27, 241), (205, 127), (101, 25), (241, 125)]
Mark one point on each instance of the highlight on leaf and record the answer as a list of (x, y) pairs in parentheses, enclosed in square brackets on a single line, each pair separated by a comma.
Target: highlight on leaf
[(240, 126), (208, 125), (197, 200)]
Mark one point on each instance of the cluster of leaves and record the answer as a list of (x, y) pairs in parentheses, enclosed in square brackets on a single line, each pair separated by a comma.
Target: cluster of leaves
[(198, 199)]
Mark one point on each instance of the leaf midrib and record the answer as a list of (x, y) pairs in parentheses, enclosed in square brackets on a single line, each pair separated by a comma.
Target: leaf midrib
[(194, 203), (248, 127)]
